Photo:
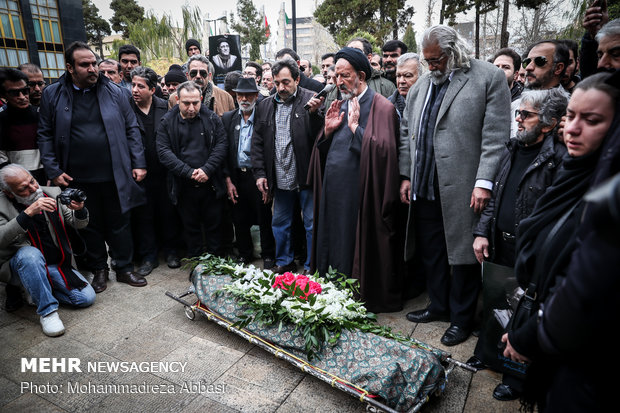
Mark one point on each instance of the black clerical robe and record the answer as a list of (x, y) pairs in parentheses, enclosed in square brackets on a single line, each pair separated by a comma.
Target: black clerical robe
[(356, 182)]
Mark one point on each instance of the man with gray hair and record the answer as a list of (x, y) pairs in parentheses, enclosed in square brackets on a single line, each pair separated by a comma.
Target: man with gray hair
[(455, 122), (200, 71), (35, 251), (407, 73), (528, 166)]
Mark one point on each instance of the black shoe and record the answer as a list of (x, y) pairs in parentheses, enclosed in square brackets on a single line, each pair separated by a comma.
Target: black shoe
[(173, 261), (505, 393), (245, 260), (128, 277), (454, 335), (100, 280), (281, 269), (425, 316), (14, 298), (146, 268), (476, 363), (268, 263)]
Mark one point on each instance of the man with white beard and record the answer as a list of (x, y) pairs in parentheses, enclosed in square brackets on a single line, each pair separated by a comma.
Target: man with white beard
[(456, 119), (35, 250), (248, 208), (528, 166)]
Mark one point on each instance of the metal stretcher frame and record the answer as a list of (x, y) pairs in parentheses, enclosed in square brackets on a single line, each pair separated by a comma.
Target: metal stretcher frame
[(373, 405)]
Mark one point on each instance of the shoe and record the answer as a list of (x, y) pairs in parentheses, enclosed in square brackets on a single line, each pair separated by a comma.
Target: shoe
[(268, 263), (52, 325), (425, 316), (128, 277), (454, 335), (505, 393), (14, 298), (476, 363), (173, 261), (146, 268), (281, 269), (100, 280), (244, 260)]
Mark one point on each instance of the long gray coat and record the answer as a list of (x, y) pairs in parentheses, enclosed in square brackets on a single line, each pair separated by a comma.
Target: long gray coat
[(472, 125)]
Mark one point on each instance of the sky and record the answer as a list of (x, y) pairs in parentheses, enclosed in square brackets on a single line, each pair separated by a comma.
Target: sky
[(217, 8)]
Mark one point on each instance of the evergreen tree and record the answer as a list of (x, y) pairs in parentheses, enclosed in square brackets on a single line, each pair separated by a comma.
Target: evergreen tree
[(126, 12), (96, 26), (409, 39), (250, 25)]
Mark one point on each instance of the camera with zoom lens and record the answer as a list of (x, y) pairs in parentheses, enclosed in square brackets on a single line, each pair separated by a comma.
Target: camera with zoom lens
[(71, 194)]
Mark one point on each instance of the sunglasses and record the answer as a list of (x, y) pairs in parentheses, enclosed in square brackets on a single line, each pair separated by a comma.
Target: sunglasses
[(194, 73), (524, 114), (539, 61), (40, 83), (16, 92)]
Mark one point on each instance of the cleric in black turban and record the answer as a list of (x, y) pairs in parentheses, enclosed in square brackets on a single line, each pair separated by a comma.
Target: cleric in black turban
[(357, 59)]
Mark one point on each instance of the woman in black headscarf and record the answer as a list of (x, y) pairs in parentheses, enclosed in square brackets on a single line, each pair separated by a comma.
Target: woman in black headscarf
[(547, 238)]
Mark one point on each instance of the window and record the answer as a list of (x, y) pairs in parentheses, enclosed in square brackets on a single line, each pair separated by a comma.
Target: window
[(49, 37), (13, 46)]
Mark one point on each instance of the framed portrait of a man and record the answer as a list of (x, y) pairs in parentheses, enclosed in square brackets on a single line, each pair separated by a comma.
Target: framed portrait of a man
[(225, 55)]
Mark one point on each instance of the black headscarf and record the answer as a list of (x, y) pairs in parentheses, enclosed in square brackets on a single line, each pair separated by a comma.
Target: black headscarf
[(357, 59)]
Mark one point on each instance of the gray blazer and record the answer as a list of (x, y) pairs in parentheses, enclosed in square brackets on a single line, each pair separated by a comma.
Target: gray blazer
[(472, 125), (13, 236)]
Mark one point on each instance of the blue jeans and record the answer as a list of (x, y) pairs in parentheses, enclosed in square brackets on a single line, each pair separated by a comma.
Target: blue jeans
[(29, 265), (281, 223)]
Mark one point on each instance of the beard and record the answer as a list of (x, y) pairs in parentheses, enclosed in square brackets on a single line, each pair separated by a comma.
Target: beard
[(348, 94), (438, 77), (247, 107), (30, 199), (527, 137)]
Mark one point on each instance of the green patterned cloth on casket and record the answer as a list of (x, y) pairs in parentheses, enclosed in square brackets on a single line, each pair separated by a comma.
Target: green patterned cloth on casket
[(401, 375)]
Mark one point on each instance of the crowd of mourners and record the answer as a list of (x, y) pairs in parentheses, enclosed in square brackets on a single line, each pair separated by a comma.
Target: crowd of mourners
[(410, 173)]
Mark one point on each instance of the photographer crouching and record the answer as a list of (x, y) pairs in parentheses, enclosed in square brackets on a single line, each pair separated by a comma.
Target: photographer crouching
[(35, 249)]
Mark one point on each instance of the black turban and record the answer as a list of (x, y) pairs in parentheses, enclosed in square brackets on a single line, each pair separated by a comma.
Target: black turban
[(357, 58), (190, 43)]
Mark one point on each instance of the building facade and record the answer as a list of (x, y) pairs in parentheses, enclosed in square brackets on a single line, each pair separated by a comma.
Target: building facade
[(37, 31)]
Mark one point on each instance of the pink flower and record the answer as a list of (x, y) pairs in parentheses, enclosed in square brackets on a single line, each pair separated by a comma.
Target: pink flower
[(315, 288), (288, 278)]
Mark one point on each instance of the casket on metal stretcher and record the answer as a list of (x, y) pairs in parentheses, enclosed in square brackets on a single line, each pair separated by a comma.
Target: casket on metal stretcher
[(384, 373)]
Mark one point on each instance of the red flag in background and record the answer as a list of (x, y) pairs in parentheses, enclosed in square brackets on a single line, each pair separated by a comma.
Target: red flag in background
[(267, 31)]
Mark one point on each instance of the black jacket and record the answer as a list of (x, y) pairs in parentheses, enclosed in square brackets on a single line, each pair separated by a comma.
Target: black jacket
[(304, 130), (160, 107), (538, 176), (231, 122), (168, 150)]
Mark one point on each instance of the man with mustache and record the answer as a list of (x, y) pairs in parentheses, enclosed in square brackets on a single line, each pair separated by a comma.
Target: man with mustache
[(35, 251), (281, 144), (18, 124), (36, 83), (456, 119), (248, 208), (392, 50), (89, 139), (354, 171)]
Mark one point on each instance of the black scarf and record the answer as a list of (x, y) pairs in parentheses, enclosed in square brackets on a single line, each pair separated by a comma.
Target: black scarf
[(424, 179), (62, 240)]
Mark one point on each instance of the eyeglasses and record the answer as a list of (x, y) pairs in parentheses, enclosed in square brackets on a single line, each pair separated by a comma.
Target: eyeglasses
[(16, 92), (250, 74), (39, 83), (436, 61), (539, 61), (194, 73), (524, 114)]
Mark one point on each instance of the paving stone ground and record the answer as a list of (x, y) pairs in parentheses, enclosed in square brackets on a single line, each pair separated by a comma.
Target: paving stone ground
[(223, 373)]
